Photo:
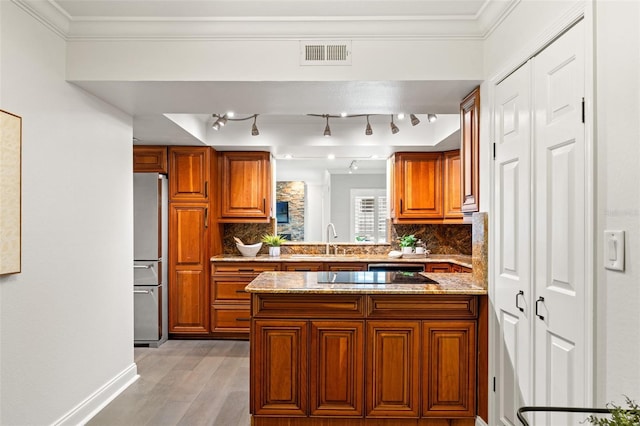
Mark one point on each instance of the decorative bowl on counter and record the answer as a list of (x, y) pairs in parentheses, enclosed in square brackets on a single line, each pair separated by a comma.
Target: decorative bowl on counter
[(250, 250)]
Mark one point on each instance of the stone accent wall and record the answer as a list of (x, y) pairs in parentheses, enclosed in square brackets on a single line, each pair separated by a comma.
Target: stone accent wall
[(294, 194)]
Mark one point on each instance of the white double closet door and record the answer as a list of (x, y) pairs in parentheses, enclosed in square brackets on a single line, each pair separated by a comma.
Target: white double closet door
[(541, 219)]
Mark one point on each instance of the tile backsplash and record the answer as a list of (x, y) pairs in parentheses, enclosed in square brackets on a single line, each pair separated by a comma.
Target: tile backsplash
[(439, 239)]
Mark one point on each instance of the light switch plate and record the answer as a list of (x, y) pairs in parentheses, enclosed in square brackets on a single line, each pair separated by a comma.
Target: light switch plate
[(614, 250)]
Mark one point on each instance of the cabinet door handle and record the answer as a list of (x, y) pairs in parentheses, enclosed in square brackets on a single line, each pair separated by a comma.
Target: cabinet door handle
[(264, 205), (206, 217), (141, 291), (206, 189), (400, 205), (240, 291), (243, 319), (141, 266), (540, 299), (520, 293)]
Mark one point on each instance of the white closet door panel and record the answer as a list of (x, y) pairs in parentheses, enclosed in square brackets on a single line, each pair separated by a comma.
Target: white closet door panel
[(513, 244), (560, 224)]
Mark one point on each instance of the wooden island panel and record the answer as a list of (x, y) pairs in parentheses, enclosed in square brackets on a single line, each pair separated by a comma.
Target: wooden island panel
[(323, 359)]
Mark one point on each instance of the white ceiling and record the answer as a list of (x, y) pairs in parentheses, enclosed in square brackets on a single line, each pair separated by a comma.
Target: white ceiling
[(171, 112)]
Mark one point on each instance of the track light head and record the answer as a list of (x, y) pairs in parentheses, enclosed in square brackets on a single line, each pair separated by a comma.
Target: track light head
[(222, 120), (414, 120), (254, 128), (216, 125), (368, 131), (394, 128), (431, 118), (327, 129)]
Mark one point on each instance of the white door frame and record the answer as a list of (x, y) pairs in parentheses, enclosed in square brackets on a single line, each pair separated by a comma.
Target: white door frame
[(582, 10)]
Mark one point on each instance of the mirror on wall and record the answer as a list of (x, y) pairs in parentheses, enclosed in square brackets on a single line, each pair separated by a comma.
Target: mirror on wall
[(350, 193), (348, 190)]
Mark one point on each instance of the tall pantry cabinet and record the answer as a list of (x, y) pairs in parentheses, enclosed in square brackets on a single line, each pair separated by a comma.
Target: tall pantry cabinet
[(190, 227)]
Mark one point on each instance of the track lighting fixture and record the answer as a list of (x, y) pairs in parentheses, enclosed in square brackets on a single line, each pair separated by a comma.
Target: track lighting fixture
[(394, 128), (368, 131), (254, 128), (221, 120), (327, 129), (431, 118), (414, 120)]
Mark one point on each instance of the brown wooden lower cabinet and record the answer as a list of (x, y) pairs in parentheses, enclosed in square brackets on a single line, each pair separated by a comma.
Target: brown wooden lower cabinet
[(363, 371), (279, 376), (393, 366), (337, 368), (449, 368)]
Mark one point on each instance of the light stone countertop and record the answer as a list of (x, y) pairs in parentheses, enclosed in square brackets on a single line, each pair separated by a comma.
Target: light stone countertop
[(307, 282), (461, 260)]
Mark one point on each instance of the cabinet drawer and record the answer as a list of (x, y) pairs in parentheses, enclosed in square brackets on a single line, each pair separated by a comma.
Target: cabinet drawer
[(243, 267), (229, 290), (424, 307), (442, 267), (235, 318), (345, 266), (303, 266), (307, 306)]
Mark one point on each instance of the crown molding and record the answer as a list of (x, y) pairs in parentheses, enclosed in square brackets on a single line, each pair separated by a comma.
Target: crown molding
[(397, 27)]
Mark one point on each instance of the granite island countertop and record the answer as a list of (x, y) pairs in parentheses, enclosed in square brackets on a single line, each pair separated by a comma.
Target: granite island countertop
[(307, 283), (458, 259)]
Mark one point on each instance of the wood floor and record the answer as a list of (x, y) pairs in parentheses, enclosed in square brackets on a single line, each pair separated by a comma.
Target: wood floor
[(185, 382)]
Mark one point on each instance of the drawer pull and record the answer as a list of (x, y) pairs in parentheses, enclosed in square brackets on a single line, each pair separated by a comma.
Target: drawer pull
[(245, 269), (243, 319), (302, 270), (240, 291)]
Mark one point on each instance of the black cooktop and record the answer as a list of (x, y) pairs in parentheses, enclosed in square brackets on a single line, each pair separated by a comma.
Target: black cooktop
[(374, 277)]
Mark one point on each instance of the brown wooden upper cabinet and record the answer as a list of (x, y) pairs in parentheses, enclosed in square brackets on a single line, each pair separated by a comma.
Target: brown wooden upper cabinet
[(469, 152), (418, 185), (245, 186), (425, 187), (451, 182), (150, 159), (189, 171)]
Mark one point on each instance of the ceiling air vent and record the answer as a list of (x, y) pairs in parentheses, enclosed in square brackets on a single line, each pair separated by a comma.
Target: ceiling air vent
[(325, 52)]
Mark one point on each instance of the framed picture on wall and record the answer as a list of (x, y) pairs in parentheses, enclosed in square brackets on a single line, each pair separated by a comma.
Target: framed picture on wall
[(10, 192), (282, 211)]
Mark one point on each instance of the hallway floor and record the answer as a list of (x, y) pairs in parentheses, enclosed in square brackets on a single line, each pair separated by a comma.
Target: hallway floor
[(185, 382)]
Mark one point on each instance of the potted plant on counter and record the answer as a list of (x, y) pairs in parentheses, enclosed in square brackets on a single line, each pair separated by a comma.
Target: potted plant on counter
[(408, 242), (273, 241)]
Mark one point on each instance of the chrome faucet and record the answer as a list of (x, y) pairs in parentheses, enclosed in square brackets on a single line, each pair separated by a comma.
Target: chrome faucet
[(330, 226)]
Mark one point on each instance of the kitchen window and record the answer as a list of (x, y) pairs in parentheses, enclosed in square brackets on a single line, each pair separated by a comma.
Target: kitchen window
[(368, 215)]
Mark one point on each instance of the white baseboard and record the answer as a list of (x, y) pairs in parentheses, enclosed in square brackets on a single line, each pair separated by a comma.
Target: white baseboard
[(83, 412), (480, 422)]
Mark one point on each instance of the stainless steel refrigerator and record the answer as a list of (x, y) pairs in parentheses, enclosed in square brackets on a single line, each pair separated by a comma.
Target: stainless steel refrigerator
[(150, 207)]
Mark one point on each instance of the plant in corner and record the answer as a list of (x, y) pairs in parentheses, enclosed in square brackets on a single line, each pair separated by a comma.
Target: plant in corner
[(273, 241), (619, 416), (408, 242)]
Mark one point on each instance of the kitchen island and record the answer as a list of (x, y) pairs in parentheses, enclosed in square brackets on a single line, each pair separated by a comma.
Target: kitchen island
[(365, 348)]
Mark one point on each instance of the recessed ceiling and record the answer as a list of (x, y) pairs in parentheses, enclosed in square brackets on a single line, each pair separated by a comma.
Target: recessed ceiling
[(179, 112)]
